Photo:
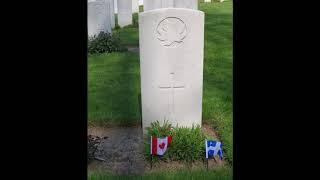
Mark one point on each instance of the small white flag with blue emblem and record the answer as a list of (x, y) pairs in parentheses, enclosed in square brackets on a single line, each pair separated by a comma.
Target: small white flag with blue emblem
[(213, 148)]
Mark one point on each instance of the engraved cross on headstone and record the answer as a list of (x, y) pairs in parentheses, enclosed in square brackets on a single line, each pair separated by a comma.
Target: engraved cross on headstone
[(171, 87)]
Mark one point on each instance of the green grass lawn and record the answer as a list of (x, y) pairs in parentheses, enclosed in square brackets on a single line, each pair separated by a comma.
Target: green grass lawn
[(221, 173), (129, 35), (217, 87), (114, 79), (114, 88)]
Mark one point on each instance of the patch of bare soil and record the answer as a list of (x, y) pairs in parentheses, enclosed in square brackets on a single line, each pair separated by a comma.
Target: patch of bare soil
[(121, 151), (176, 165), (207, 129)]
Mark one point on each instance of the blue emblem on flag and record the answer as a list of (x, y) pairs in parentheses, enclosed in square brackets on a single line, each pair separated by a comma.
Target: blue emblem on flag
[(213, 148)]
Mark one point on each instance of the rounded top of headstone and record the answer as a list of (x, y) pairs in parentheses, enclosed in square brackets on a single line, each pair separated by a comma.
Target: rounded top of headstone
[(168, 10), (171, 26)]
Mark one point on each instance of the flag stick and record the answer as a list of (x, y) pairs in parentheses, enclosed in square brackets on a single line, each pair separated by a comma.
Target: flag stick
[(207, 164), (151, 151), (151, 161)]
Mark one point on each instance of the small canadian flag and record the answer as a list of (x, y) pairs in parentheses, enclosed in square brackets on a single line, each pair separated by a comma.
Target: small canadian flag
[(159, 145)]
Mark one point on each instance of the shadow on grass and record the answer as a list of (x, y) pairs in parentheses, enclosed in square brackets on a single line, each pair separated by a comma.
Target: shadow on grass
[(125, 98), (114, 89)]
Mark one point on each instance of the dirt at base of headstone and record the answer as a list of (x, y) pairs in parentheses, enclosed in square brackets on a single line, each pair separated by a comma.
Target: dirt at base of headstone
[(177, 165), (123, 152)]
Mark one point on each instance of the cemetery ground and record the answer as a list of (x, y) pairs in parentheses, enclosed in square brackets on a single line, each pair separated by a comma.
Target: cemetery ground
[(114, 89)]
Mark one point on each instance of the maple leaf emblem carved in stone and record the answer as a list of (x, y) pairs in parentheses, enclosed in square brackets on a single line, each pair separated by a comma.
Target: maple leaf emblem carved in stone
[(171, 31)]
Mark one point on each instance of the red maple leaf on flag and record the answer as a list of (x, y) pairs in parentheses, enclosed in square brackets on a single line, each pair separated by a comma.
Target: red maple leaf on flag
[(162, 145)]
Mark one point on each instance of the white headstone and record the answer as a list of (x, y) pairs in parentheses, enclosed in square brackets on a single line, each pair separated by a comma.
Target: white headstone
[(112, 14), (147, 5), (171, 44), (140, 2), (189, 4), (135, 6), (98, 17), (167, 3), (207, 0), (116, 6), (150, 4), (157, 4), (124, 12)]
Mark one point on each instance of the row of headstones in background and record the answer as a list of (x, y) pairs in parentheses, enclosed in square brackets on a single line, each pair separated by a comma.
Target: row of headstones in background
[(171, 44), (135, 6), (101, 14), (101, 21), (157, 4)]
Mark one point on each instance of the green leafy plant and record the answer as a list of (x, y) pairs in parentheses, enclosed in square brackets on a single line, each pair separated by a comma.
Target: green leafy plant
[(188, 144), (104, 43), (159, 130)]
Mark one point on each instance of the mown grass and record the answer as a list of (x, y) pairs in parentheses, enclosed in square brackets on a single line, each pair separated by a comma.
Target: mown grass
[(223, 173), (217, 85), (114, 88), (114, 79)]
